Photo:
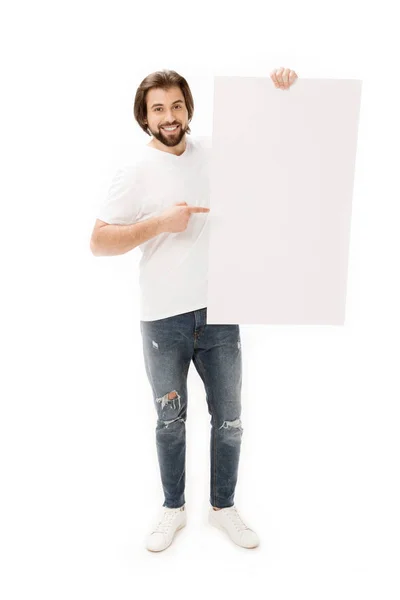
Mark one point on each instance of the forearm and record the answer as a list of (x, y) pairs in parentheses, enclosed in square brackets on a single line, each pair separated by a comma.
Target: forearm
[(112, 240)]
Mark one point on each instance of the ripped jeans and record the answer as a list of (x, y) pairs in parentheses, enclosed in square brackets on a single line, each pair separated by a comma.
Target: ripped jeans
[(169, 345)]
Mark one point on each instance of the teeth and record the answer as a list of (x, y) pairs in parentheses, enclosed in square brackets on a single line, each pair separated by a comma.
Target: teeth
[(170, 128)]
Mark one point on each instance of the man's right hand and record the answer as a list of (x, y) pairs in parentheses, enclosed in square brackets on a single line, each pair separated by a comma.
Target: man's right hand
[(175, 218)]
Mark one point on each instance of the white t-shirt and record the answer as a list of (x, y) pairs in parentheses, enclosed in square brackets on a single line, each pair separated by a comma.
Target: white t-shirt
[(173, 266)]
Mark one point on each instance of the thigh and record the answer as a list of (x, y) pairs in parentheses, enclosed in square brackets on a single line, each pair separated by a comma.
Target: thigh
[(218, 360), (167, 350)]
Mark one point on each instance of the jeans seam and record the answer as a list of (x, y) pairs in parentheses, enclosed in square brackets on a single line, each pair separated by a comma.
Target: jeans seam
[(201, 367)]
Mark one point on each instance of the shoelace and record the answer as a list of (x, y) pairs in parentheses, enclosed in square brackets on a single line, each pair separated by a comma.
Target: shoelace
[(165, 523), (232, 513)]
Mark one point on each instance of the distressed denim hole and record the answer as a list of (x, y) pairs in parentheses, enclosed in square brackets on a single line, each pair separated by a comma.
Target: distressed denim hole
[(171, 400)]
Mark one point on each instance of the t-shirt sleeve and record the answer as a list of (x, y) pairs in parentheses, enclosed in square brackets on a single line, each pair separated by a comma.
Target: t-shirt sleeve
[(122, 203)]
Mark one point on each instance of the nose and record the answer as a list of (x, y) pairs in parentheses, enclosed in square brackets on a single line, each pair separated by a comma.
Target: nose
[(169, 117)]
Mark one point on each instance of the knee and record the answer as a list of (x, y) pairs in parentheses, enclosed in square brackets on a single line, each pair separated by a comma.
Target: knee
[(172, 399), (236, 424)]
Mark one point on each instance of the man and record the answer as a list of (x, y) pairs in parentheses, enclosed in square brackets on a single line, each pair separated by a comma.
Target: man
[(161, 204)]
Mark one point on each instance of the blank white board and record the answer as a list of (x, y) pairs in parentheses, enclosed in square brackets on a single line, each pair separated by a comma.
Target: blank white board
[(281, 184)]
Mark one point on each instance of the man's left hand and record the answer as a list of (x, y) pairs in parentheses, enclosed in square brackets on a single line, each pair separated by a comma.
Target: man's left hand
[(283, 78)]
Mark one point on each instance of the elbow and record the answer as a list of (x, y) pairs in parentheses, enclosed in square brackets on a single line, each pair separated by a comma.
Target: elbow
[(94, 248)]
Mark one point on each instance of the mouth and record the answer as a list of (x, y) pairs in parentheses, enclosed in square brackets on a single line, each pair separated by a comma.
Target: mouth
[(173, 129)]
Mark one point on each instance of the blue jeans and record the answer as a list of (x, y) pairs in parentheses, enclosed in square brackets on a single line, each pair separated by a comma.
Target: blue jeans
[(168, 346)]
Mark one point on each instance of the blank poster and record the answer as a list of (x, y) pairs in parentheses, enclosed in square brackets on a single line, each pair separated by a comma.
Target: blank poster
[(282, 174)]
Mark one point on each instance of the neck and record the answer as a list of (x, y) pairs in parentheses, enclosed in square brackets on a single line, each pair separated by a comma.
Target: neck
[(177, 150)]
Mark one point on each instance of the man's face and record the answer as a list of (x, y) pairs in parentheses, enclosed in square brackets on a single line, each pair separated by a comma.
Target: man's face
[(167, 108)]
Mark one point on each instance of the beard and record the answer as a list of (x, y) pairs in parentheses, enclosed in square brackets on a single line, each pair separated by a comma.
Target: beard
[(169, 139)]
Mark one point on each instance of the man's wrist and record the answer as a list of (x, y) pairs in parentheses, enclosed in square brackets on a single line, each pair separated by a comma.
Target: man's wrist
[(160, 225)]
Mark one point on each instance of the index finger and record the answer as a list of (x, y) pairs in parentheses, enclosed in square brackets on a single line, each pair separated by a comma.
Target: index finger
[(197, 209)]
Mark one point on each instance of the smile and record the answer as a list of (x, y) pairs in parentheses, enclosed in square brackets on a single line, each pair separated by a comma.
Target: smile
[(170, 128)]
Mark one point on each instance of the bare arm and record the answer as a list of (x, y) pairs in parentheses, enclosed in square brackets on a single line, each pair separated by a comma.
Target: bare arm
[(111, 240)]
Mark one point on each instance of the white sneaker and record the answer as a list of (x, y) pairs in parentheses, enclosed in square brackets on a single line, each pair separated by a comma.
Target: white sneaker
[(169, 521), (229, 520)]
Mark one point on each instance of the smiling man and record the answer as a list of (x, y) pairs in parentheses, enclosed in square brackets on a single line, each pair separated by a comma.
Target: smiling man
[(160, 204)]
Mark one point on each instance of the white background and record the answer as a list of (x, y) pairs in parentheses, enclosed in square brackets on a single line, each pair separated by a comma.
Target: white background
[(319, 471)]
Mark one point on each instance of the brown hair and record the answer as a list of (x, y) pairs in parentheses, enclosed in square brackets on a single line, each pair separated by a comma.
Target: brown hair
[(164, 79)]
